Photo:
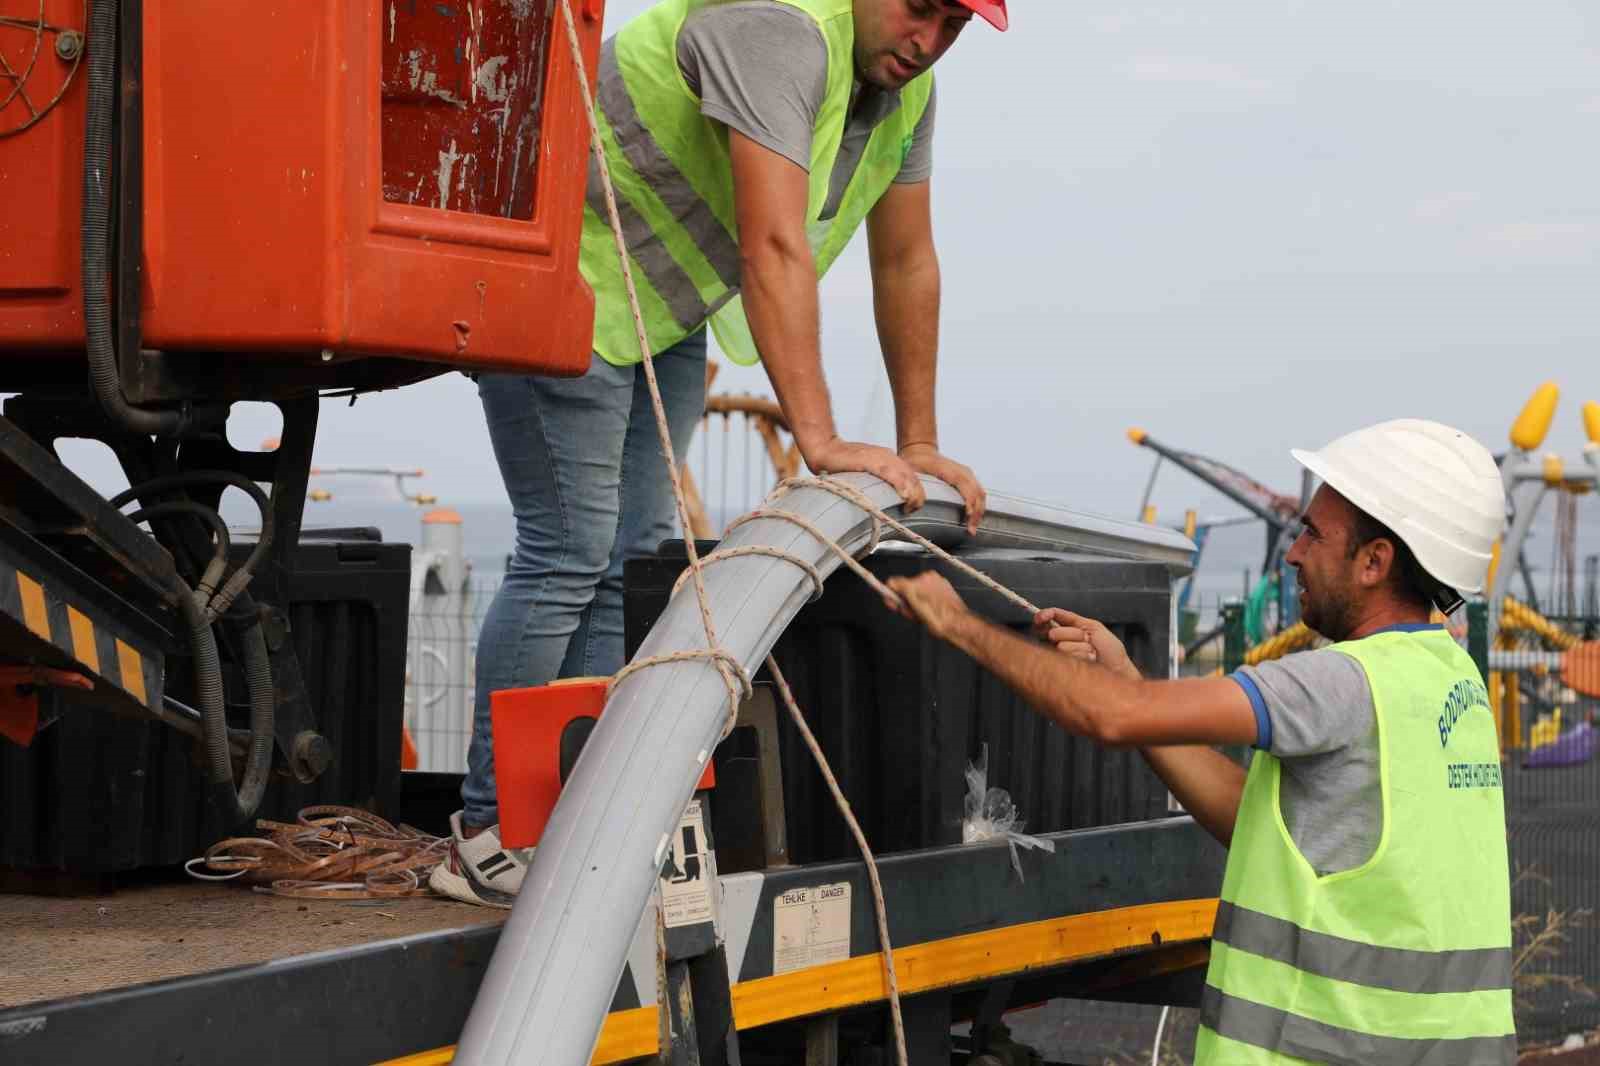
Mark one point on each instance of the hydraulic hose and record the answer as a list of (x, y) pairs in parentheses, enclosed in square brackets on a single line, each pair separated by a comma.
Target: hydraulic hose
[(236, 805), (104, 379), (258, 681), (241, 577), (219, 532), (241, 803)]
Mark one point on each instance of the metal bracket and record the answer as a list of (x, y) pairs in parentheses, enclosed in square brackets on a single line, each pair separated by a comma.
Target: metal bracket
[(822, 1041), (699, 997), (751, 829), (19, 698), (304, 749), (760, 712), (59, 504)]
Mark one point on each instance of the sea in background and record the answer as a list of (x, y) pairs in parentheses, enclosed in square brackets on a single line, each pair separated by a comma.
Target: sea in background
[(1230, 566)]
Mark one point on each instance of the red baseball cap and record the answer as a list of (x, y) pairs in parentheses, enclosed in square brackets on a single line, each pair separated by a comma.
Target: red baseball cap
[(993, 11)]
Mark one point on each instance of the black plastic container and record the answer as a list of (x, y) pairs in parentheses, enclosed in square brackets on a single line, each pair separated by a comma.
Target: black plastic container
[(98, 794), (900, 715)]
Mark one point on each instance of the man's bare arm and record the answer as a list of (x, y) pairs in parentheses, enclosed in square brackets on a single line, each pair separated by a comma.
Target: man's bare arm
[(1098, 704), (779, 288), (905, 300), (1206, 782), (1169, 721)]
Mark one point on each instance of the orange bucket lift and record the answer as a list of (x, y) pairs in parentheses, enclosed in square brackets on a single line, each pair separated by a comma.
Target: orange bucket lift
[(320, 182)]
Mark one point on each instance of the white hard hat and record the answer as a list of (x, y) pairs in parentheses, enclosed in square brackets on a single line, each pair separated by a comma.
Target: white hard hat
[(1436, 487)]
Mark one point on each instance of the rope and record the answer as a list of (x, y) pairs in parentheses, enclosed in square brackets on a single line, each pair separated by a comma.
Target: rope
[(734, 676), (880, 912), (859, 498), (329, 853), (1155, 1051), (722, 554), (1291, 640), (719, 656), (828, 542), (732, 673), (879, 519)]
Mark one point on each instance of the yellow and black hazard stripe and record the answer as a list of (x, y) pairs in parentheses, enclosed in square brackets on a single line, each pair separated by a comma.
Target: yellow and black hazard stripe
[(45, 623)]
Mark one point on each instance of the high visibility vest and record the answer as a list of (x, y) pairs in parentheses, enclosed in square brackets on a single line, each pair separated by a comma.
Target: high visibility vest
[(1406, 959), (674, 183)]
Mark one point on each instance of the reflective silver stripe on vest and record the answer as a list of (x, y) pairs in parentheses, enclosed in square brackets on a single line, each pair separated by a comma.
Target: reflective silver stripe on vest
[(1400, 969), (1290, 1034), (646, 249), (661, 174)]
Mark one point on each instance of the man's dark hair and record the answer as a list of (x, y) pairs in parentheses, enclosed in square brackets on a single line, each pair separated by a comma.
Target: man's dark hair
[(1411, 582)]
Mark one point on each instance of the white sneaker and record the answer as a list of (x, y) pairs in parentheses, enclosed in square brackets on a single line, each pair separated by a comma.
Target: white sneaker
[(479, 870)]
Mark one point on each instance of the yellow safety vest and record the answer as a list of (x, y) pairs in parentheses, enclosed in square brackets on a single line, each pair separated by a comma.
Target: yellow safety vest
[(674, 182), (1406, 959)]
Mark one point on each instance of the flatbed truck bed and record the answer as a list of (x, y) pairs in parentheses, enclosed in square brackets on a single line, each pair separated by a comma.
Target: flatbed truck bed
[(188, 972)]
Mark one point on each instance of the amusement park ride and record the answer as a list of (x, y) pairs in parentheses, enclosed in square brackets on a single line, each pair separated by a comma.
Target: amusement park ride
[(1526, 649)]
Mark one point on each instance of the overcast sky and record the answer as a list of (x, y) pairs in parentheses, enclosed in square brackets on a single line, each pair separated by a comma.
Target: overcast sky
[(1242, 226)]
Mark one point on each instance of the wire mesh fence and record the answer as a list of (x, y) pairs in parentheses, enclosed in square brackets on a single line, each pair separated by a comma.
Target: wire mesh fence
[(1544, 689), (741, 450), (441, 656)]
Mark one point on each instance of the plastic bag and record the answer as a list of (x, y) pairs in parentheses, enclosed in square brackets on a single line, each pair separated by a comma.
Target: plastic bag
[(990, 814)]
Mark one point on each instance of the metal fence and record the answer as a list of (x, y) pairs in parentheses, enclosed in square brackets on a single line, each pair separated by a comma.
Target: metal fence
[(741, 449), (1545, 691), (441, 654)]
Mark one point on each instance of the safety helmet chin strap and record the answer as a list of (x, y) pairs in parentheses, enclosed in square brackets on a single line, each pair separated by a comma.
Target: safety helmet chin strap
[(1448, 600)]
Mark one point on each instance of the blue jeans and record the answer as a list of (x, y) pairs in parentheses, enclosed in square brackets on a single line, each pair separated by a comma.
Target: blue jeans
[(581, 461)]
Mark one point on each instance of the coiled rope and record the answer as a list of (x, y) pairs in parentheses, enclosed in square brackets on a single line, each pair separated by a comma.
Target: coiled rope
[(330, 852)]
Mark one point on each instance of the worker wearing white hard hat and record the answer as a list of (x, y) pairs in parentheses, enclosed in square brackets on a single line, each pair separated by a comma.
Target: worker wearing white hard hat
[(1365, 912)]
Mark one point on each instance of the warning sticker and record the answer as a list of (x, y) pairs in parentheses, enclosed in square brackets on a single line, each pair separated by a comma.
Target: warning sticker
[(810, 926), (686, 886)]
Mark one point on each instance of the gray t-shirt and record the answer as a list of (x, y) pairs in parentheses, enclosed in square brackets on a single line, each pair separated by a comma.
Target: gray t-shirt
[(761, 67), (1314, 711)]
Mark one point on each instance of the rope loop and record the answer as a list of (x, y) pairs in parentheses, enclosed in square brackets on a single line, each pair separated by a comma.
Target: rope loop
[(327, 853), (860, 499), (757, 549), (826, 541), (732, 670)]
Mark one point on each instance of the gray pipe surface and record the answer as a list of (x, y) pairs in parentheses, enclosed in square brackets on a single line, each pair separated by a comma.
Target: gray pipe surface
[(563, 950)]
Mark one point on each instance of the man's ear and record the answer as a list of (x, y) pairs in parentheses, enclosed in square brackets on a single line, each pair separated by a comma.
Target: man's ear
[(1376, 562)]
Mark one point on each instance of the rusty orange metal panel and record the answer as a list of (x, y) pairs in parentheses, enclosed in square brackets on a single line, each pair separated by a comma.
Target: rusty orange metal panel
[(461, 91), (41, 160), (283, 211)]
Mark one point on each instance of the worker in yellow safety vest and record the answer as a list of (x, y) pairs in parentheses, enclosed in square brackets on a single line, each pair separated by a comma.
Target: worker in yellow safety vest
[(747, 141), (1365, 910)]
